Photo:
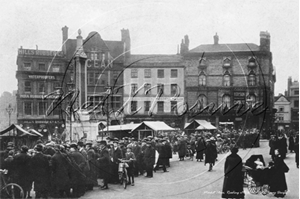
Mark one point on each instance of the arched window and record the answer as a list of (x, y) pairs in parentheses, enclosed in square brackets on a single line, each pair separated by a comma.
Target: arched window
[(202, 79), (226, 100), (226, 80), (202, 99)]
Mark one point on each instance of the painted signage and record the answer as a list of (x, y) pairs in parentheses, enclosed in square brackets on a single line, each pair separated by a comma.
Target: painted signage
[(40, 52), (36, 96), (41, 77)]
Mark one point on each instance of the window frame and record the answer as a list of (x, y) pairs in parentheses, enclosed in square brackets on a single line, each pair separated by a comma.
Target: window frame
[(202, 80), (160, 73), (147, 105), (174, 108), (160, 87), (39, 87), (134, 73), (147, 73), (27, 67), (133, 106), (160, 105), (172, 89), (44, 108), (226, 79), (147, 86), (172, 73), (26, 87), (226, 96), (25, 108)]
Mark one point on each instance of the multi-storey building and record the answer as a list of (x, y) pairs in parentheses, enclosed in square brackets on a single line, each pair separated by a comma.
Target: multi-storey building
[(39, 73), (292, 94), (102, 67), (283, 114), (226, 74), (154, 89)]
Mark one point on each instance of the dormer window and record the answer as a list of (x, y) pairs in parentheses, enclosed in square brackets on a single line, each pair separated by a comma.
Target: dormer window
[(252, 62), (227, 62), (202, 63)]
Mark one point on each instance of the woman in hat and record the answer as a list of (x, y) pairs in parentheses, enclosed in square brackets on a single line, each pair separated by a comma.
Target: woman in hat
[(210, 153), (233, 176)]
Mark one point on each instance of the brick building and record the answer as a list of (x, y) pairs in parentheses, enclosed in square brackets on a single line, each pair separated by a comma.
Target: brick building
[(39, 73), (283, 113), (226, 74)]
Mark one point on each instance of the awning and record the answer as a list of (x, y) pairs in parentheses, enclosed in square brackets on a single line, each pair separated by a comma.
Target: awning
[(122, 127), (205, 124), (156, 126), (35, 132), (20, 131)]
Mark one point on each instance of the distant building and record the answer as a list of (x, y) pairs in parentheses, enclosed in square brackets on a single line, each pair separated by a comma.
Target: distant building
[(226, 74), (154, 89), (283, 114), (292, 95)]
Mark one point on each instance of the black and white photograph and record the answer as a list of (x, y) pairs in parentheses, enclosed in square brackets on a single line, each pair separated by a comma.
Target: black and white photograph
[(162, 99)]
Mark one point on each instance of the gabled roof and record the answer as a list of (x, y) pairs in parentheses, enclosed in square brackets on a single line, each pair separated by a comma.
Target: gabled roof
[(156, 126), (202, 124), (242, 47), (280, 97), (19, 131)]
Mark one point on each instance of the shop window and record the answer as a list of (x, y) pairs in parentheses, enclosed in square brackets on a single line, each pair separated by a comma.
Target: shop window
[(42, 107)]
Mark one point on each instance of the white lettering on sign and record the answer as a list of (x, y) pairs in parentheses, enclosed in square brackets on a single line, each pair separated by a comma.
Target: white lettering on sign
[(40, 52), (40, 77), (35, 96)]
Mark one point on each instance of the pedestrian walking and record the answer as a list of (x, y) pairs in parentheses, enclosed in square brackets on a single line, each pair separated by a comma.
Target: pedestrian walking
[(182, 148), (297, 150), (291, 143), (233, 176), (200, 148), (92, 175), (277, 181), (210, 153)]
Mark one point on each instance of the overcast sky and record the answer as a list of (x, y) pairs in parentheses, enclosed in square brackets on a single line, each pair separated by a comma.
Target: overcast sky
[(156, 27)]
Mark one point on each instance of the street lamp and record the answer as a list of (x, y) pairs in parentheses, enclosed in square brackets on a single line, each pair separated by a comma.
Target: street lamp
[(108, 92), (9, 110)]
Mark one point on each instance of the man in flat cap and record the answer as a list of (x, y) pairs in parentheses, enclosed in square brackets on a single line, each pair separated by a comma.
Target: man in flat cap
[(210, 153), (149, 159), (116, 154), (104, 164)]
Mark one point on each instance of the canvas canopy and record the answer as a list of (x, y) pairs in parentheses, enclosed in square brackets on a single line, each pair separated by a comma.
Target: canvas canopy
[(201, 125), (18, 131), (122, 127), (156, 126)]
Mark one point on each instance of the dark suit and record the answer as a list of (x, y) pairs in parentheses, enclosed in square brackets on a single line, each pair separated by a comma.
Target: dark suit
[(41, 174), (104, 165), (149, 160), (92, 175)]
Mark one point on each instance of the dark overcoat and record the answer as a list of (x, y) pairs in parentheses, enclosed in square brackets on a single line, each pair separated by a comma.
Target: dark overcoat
[(61, 171), (41, 172), (78, 164), (182, 147), (291, 143), (92, 160), (211, 153), (163, 156), (233, 179), (104, 164), (149, 157), (169, 150), (22, 171), (200, 148), (277, 177)]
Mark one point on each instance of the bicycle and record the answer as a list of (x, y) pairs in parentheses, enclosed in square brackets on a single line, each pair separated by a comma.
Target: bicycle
[(123, 172), (9, 190)]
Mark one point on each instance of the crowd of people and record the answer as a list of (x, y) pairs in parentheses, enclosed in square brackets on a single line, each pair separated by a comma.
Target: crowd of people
[(67, 170)]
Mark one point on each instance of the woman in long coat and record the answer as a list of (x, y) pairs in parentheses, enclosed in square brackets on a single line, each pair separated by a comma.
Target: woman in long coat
[(277, 177), (200, 147), (182, 147), (291, 143), (233, 179), (211, 153)]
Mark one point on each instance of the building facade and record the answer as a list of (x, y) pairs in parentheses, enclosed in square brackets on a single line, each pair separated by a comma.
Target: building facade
[(292, 94), (39, 73), (283, 114), (226, 75), (154, 89)]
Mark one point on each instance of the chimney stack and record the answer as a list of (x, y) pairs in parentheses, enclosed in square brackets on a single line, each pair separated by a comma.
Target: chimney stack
[(64, 38), (289, 86), (265, 41), (216, 39), (125, 37)]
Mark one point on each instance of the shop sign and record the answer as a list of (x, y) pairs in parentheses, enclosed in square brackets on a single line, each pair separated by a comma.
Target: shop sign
[(43, 77), (36, 96), (41, 121), (40, 52)]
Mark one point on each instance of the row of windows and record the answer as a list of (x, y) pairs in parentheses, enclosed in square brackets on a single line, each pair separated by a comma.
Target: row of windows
[(41, 108), (160, 106), (97, 78), (28, 86), (160, 73), (227, 80), (55, 67), (160, 88)]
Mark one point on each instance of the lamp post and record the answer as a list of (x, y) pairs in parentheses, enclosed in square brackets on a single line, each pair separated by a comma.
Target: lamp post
[(108, 91), (9, 110)]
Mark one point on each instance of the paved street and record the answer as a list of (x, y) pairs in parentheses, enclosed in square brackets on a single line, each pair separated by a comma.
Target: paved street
[(190, 179)]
